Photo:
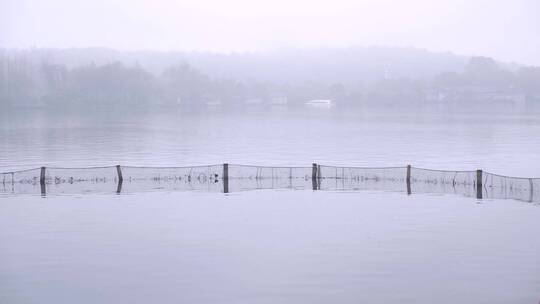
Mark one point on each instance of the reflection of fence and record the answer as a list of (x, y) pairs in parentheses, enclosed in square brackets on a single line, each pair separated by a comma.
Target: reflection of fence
[(229, 177)]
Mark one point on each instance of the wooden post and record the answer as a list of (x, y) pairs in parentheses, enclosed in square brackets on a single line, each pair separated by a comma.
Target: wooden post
[(408, 180), (120, 179), (225, 178), (42, 182), (531, 190), (319, 177), (119, 187), (119, 171), (479, 184), (314, 176)]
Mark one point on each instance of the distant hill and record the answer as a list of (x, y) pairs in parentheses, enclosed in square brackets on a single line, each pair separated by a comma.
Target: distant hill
[(351, 77), (349, 66)]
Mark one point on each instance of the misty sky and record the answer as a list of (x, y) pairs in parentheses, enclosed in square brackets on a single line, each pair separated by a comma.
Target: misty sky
[(507, 30)]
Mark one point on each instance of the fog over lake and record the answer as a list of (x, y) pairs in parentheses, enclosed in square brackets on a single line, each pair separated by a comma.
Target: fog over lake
[(352, 151), (500, 141), (270, 245)]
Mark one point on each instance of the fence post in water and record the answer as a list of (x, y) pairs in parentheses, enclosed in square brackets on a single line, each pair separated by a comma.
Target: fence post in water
[(408, 180), (120, 179), (42, 181), (319, 177), (531, 190), (479, 184), (314, 170), (225, 178)]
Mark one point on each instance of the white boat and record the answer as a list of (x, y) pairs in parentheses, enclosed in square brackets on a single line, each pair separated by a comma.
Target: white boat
[(325, 103)]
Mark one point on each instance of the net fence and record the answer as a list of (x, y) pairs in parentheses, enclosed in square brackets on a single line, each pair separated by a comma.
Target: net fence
[(195, 178), (358, 178), (505, 187), (23, 182), (443, 182), (246, 177), (234, 177)]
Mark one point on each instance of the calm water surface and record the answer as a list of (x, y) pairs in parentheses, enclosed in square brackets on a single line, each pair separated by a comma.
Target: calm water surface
[(507, 144), (270, 246)]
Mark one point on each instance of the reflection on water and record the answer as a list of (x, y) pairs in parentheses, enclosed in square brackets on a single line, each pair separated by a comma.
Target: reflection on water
[(506, 144), (270, 246), (267, 247)]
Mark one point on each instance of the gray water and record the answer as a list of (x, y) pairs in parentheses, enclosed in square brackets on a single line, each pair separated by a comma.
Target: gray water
[(501, 143), (270, 246)]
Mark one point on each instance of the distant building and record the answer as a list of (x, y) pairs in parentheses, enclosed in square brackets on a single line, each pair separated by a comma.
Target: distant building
[(320, 103), (476, 94)]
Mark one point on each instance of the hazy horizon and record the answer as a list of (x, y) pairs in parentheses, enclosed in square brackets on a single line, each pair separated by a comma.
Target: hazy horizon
[(504, 30), (274, 151)]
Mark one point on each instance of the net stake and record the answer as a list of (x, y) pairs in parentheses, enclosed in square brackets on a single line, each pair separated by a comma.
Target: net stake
[(42, 181), (319, 177), (120, 179), (531, 190), (408, 179), (479, 184), (225, 178), (314, 176), (119, 171)]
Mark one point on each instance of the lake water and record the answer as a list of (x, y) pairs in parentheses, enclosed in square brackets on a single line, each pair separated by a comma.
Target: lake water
[(270, 246), (501, 143)]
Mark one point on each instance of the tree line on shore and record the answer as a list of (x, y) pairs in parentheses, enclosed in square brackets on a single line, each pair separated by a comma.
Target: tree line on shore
[(24, 83)]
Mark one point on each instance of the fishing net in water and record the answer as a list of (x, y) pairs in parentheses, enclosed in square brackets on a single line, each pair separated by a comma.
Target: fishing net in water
[(246, 177), (106, 179), (24, 181), (358, 178), (506, 187), (443, 182), (81, 180), (197, 178), (29, 176)]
